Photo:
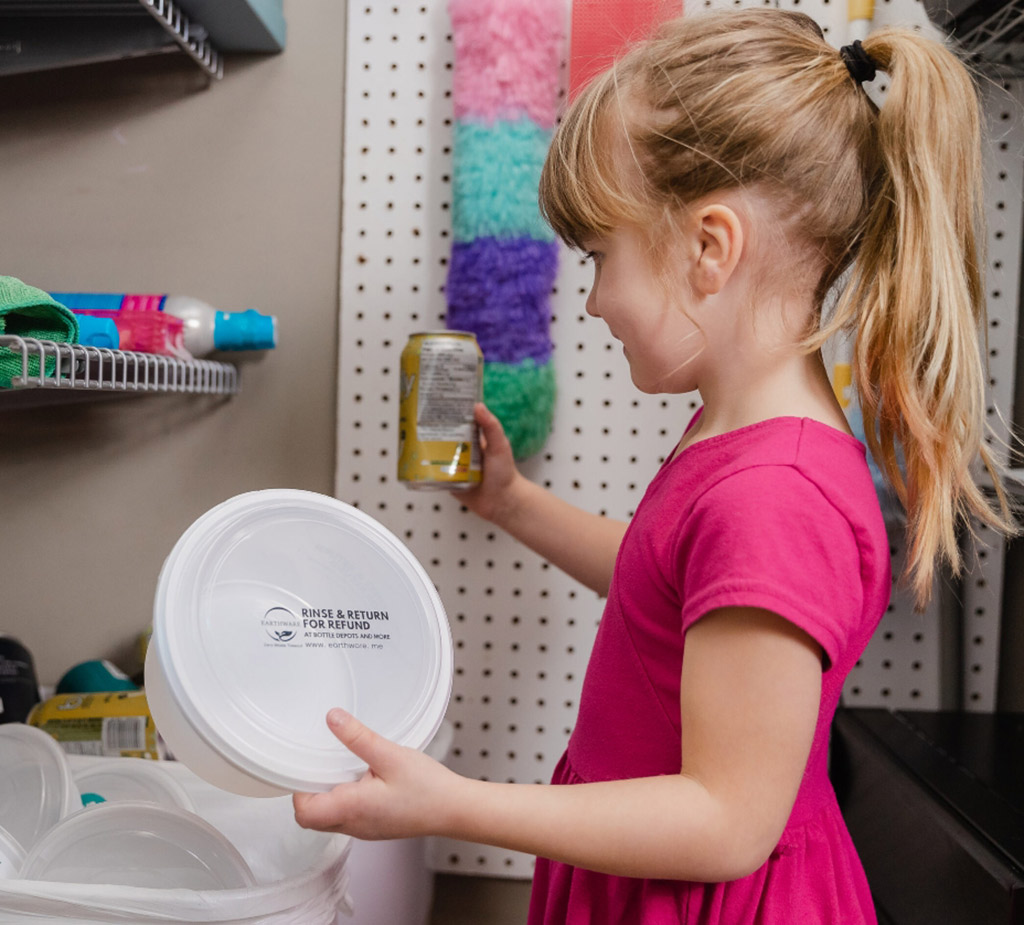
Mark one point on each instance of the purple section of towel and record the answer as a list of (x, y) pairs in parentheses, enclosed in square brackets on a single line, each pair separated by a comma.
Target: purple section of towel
[(500, 289)]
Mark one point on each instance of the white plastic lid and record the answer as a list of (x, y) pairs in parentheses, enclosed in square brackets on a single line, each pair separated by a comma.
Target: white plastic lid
[(138, 844), (12, 856), (36, 786), (132, 779), (277, 605)]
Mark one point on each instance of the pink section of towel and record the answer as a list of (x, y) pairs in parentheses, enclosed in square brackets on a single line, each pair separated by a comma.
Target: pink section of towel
[(508, 57)]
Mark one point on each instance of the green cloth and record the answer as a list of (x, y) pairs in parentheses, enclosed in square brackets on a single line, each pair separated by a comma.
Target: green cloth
[(29, 312)]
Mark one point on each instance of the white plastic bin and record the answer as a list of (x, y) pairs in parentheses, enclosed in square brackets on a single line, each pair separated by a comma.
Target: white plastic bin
[(302, 876), (390, 882)]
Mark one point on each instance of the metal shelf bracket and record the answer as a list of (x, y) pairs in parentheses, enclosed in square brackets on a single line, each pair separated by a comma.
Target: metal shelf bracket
[(193, 41)]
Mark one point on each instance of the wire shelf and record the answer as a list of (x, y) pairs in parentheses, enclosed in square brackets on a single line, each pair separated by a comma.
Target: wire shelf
[(46, 364)]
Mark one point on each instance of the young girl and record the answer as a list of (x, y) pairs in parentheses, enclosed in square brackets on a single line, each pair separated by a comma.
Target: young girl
[(724, 176)]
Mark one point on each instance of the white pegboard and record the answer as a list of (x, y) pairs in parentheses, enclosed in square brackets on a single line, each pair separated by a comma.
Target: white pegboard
[(522, 630)]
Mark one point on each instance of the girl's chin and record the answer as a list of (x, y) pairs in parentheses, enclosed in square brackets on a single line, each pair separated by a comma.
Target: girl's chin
[(660, 386), (648, 388)]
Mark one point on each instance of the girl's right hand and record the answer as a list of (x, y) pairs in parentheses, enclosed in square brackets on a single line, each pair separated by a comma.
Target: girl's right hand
[(492, 498)]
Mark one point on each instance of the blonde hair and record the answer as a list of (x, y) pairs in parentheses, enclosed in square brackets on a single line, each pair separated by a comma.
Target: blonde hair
[(891, 197)]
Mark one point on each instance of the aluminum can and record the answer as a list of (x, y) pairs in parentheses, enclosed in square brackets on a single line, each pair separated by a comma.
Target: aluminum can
[(442, 377)]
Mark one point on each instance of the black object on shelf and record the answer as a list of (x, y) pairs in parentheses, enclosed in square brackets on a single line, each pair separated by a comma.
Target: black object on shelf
[(19, 689), (37, 35), (934, 802), (43, 34)]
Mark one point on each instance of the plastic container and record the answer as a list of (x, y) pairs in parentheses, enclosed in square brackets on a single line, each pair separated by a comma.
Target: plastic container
[(139, 845), (132, 780), (204, 330), (146, 331), (94, 331), (12, 855), (274, 607), (36, 785), (401, 863), (208, 329)]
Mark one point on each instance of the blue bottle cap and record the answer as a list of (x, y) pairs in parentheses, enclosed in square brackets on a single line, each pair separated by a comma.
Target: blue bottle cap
[(248, 330), (97, 332)]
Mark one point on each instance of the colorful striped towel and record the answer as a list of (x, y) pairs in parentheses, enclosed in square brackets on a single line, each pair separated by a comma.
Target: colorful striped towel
[(504, 257)]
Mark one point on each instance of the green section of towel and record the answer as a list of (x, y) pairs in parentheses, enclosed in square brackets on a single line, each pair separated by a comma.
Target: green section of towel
[(29, 312)]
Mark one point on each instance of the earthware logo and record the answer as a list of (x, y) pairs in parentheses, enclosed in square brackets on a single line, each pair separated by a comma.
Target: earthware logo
[(280, 625)]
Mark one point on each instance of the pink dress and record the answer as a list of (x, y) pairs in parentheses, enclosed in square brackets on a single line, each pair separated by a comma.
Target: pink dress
[(781, 515)]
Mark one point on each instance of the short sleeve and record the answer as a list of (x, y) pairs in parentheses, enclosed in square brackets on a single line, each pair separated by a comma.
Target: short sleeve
[(767, 537)]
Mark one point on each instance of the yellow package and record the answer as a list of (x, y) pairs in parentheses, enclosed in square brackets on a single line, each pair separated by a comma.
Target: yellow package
[(116, 724)]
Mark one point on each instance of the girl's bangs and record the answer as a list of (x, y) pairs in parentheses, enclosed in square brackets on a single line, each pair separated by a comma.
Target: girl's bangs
[(581, 193)]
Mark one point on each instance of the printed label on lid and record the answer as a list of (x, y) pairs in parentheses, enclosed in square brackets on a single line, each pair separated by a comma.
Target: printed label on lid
[(327, 628)]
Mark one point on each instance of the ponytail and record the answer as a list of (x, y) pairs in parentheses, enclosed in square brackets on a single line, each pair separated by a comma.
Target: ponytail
[(916, 298), (889, 199)]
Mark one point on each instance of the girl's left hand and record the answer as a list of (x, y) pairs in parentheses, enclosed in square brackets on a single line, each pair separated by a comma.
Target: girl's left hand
[(405, 793)]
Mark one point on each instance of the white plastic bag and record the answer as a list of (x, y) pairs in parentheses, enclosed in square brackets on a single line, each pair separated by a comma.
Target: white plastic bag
[(301, 874)]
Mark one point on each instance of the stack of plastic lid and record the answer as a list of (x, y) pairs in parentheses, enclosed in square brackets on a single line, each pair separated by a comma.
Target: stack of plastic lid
[(36, 789), (12, 855), (131, 779), (137, 844), (141, 832), (274, 607)]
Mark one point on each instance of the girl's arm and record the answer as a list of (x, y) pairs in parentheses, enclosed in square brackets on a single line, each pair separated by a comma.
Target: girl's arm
[(751, 684), (581, 544)]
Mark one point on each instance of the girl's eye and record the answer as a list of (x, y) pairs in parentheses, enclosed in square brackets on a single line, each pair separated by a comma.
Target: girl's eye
[(592, 255)]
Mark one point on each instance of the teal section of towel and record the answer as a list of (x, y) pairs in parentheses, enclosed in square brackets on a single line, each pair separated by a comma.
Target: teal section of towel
[(495, 180), (522, 396), (29, 312)]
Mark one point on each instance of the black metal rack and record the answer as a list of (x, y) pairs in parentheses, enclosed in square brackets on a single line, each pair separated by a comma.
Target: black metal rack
[(37, 35), (991, 32)]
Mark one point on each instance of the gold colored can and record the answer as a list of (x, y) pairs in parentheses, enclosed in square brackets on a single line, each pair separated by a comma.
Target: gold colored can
[(442, 377)]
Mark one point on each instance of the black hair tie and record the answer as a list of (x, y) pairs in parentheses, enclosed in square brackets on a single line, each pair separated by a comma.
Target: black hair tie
[(858, 62)]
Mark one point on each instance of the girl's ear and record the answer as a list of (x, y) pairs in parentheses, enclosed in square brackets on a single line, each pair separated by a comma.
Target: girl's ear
[(719, 235)]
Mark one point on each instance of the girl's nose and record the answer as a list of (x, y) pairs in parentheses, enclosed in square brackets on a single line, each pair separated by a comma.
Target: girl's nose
[(591, 304)]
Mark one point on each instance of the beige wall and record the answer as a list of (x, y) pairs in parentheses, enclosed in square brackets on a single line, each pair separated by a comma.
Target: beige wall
[(134, 176)]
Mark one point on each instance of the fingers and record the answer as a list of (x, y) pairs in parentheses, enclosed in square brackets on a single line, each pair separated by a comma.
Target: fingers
[(363, 742), (404, 793), (315, 811), (492, 434), (484, 417), (332, 811)]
